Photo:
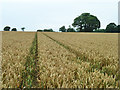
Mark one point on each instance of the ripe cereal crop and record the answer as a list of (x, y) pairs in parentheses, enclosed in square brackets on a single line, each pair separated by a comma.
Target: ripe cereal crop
[(101, 50), (59, 60), (15, 48), (59, 68)]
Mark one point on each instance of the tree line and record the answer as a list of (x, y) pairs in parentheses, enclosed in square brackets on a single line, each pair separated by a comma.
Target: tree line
[(83, 23), (89, 23), (7, 28), (45, 30)]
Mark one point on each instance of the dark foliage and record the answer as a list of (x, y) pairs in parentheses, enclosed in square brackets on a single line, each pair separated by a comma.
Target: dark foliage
[(14, 29), (86, 23), (62, 29), (7, 28)]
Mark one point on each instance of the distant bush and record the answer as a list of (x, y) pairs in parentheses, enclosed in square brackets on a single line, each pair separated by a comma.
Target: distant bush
[(62, 29), (100, 30), (112, 27), (48, 30), (23, 28), (7, 28), (70, 30), (39, 30), (14, 29)]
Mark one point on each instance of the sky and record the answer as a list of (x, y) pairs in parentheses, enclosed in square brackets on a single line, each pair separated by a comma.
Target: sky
[(46, 14)]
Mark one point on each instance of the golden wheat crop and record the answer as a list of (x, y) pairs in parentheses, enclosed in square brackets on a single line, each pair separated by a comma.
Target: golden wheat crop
[(65, 60), (100, 49), (15, 48), (59, 68)]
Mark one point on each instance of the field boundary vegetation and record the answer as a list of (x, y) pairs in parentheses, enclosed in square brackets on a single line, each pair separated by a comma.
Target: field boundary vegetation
[(82, 57), (29, 75)]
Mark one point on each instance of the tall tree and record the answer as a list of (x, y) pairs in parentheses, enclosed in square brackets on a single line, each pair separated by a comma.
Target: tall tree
[(7, 28), (62, 29), (86, 22)]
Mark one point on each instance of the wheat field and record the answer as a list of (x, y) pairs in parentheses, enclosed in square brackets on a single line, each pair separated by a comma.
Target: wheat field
[(60, 60), (60, 68), (100, 49), (15, 48)]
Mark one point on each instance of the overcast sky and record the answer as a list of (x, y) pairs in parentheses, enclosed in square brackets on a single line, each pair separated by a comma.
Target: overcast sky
[(45, 14)]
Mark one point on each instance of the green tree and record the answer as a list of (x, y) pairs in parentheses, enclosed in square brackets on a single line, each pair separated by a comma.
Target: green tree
[(62, 29), (14, 29), (112, 27), (51, 30), (23, 28), (48, 30), (7, 28), (70, 29), (86, 22)]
